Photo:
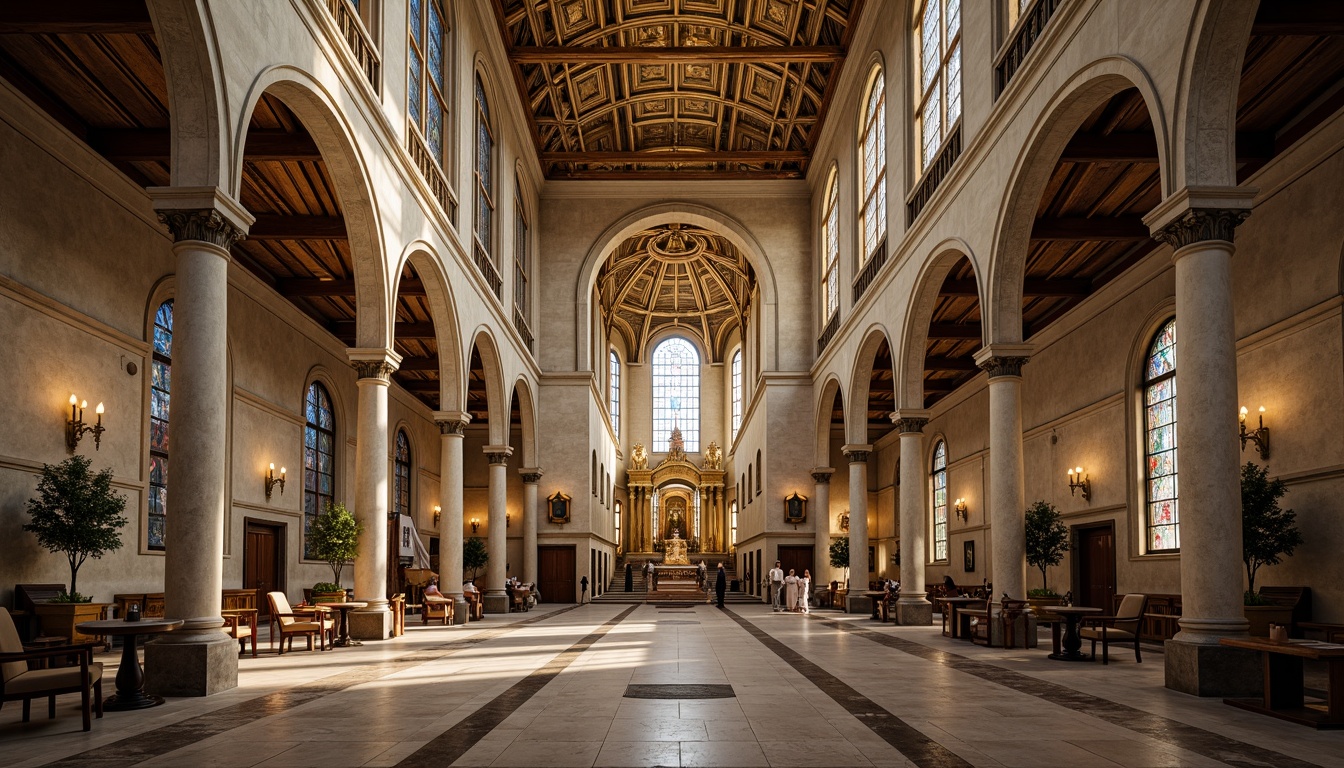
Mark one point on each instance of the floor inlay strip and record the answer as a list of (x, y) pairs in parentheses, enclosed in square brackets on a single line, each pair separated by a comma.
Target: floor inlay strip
[(909, 741), (161, 741), (679, 691), (1174, 732), (447, 747)]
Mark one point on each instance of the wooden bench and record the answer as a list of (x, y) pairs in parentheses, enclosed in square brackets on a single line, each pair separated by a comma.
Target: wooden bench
[(1285, 694), (1296, 598), (1334, 633)]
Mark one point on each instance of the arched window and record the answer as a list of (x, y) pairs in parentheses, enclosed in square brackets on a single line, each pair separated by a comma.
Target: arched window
[(830, 244), (617, 518), (522, 261), (732, 524), (747, 487), (614, 396), (485, 174), (758, 472), (401, 483), (938, 64), (939, 476), (1159, 447), (160, 385), (737, 392), (602, 487), (676, 393), (427, 69), (873, 148), (319, 457), (593, 473)]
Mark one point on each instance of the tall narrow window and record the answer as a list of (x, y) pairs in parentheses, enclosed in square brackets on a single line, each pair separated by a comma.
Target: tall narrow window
[(319, 457), (938, 64), (614, 397), (758, 472), (737, 392), (617, 518), (522, 261), (485, 173), (676, 393), (426, 64), (732, 524), (159, 386), (1016, 8), (830, 244), (939, 476), (401, 490), (750, 496), (1159, 429), (873, 141)]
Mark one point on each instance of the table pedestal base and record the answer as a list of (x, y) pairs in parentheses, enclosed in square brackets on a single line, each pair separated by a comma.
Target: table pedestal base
[(123, 702)]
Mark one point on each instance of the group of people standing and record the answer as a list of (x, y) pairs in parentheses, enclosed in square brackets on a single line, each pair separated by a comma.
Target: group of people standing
[(792, 592)]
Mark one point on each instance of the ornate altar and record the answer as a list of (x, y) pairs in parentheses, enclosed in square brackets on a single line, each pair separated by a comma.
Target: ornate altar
[(675, 551), (681, 489)]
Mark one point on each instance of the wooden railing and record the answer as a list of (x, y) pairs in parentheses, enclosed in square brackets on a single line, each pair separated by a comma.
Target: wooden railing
[(488, 271), (933, 176), (870, 270), (828, 333), (1024, 36), (434, 176), (525, 331), (352, 27)]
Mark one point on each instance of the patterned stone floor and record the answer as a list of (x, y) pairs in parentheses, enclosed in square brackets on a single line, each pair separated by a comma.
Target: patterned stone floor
[(608, 685)]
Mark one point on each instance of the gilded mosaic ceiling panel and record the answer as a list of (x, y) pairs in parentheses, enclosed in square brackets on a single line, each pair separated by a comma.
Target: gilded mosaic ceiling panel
[(639, 88)]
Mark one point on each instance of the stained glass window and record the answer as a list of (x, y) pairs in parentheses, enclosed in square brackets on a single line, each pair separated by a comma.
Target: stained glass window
[(319, 457), (1159, 441), (485, 172), (426, 68), (732, 524), (676, 393), (873, 144), (160, 385), (737, 392), (830, 241), (939, 484), (401, 483), (522, 260), (614, 377), (937, 33)]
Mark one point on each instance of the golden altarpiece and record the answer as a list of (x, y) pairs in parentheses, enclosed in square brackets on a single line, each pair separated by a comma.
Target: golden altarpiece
[(676, 497)]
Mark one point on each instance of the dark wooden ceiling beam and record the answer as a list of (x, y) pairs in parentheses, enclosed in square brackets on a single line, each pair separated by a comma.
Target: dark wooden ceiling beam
[(1299, 17), (76, 17), (688, 155), (269, 226), (1141, 147), (1100, 229), (671, 175), (954, 331), (307, 287), (936, 363), (421, 364), (1054, 286), (155, 145), (345, 329), (588, 54)]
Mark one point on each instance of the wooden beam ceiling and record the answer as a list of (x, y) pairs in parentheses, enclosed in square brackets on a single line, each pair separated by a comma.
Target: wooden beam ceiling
[(1141, 147), (308, 287), (587, 54), (668, 155), (1090, 230), (345, 329), (955, 331), (1031, 287), (146, 145), (76, 17), (292, 227), (1281, 18)]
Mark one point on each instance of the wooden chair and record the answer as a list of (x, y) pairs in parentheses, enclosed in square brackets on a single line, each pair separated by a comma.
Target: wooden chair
[(398, 614), (1010, 612), (1123, 627), (19, 683), (982, 632), (475, 606), (436, 607), (241, 625), (291, 623)]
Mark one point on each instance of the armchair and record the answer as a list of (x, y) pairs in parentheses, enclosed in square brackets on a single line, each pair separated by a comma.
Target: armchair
[(241, 625), (18, 683), (1123, 627), (291, 623)]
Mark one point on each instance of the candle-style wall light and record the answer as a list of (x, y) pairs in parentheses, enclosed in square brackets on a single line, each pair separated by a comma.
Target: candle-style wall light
[(960, 506), (1259, 436), (1079, 481), (438, 515), (75, 428), (272, 481), (475, 524)]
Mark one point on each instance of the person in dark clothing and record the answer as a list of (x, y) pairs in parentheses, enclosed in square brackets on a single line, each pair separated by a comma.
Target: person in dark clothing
[(721, 584), (629, 578), (949, 586), (583, 590)]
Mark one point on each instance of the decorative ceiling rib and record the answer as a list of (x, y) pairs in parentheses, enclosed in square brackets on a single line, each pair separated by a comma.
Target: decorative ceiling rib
[(676, 88)]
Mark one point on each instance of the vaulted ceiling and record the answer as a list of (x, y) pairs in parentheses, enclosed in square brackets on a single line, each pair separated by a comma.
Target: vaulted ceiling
[(676, 88)]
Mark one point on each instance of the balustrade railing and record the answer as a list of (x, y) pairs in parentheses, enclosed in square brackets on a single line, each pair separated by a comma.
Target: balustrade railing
[(434, 175), (828, 333), (488, 271), (524, 330), (1029, 28), (352, 28), (870, 270), (939, 168)]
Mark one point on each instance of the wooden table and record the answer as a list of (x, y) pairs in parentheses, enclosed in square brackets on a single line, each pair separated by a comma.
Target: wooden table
[(954, 606), (1072, 641), (877, 596), (1284, 690), (130, 677), (343, 639)]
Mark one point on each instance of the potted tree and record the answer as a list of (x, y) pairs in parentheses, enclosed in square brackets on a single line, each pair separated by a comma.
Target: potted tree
[(474, 556), (1046, 541), (840, 559), (1268, 532), (334, 537), (77, 514)]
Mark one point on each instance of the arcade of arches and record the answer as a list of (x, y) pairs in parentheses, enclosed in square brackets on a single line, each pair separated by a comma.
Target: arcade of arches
[(575, 279)]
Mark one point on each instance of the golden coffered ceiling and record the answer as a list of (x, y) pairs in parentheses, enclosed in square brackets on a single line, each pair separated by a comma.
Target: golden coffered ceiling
[(675, 276), (676, 88)]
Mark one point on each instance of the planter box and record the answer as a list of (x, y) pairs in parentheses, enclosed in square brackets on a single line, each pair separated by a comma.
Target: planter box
[(1261, 616), (320, 598), (59, 619)]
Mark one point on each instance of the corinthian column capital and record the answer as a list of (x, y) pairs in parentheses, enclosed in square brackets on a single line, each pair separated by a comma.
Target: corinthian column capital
[(1200, 214), (377, 364), (452, 423), (201, 214), (1003, 359)]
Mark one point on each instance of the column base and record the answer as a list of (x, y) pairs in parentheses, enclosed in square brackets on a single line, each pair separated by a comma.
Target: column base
[(371, 625), (1202, 669), (858, 604), (914, 613), (461, 610), (496, 602), (191, 664)]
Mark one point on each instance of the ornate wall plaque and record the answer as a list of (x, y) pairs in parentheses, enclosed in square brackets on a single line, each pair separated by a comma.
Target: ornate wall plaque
[(558, 508), (795, 509)]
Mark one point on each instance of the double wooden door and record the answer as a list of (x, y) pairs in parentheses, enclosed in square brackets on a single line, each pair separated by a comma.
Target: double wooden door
[(263, 560), (799, 558), (555, 574)]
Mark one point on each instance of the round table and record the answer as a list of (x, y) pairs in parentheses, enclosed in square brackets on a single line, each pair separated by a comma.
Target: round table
[(1072, 641), (343, 638), (130, 677)]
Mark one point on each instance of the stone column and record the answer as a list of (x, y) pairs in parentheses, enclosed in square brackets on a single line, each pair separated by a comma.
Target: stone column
[(496, 540), (452, 425), (198, 659), (856, 602), (912, 606), (821, 528), (1007, 505), (531, 477), (374, 368), (1198, 224)]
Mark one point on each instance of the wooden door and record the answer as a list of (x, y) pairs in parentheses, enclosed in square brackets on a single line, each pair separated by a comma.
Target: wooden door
[(555, 574), (1095, 571), (263, 556), (799, 558)]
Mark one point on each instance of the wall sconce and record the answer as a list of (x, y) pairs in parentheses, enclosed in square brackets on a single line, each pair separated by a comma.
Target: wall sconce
[(1259, 436), (272, 481), (438, 515), (508, 519), (1077, 480), (475, 523), (75, 428), (960, 506)]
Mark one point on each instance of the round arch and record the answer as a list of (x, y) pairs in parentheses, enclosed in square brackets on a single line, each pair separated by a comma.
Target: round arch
[(496, 406), (443, 309), (919, 314), (856, 417), (198, 124), (1206, 96), (829, 390), (527, 411), (1087, 89)]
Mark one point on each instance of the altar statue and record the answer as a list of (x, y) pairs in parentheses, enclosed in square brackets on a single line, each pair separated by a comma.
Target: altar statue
[(675, 550), (713, 456), (639, 457)]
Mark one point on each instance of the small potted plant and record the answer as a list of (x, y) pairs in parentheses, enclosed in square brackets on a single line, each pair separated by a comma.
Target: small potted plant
[(334, 537), (1046, 541), (76, 514), (1268, 532)]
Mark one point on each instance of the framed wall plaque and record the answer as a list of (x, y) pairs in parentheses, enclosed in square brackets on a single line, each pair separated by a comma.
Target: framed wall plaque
[(558, 508), (968, 556), (795, 509)]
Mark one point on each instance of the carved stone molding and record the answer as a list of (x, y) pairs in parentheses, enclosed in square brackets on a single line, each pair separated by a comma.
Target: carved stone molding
[(454, 427), (857, 456), (1198, 225), (1004, 366), (498, 457), (909, 425), (204, 224), (374, 369), (821, 478), (531, 478)]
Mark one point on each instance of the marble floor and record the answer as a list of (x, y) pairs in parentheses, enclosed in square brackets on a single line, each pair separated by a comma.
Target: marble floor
[(620, 685)]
